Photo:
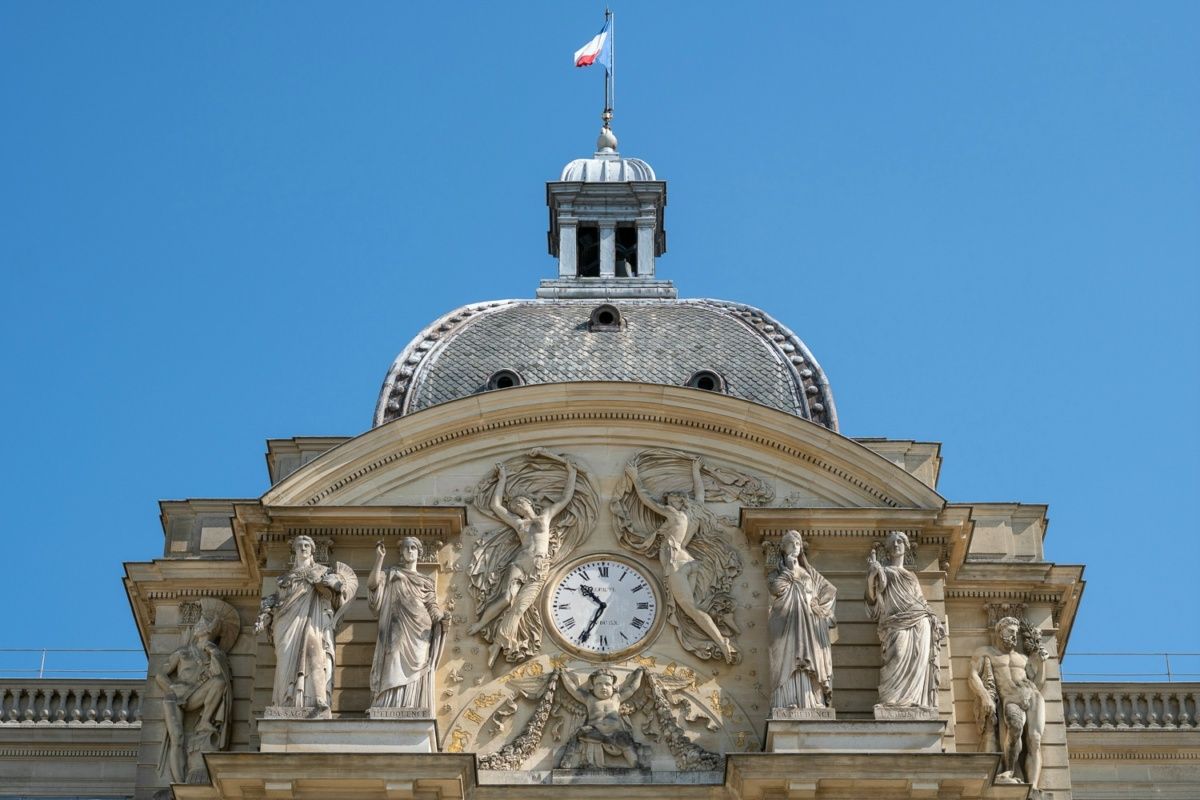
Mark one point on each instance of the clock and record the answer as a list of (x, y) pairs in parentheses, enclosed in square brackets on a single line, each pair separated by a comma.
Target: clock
[(603, 607)]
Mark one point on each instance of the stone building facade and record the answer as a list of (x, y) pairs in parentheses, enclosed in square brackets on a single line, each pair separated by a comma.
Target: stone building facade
[(602, 540)]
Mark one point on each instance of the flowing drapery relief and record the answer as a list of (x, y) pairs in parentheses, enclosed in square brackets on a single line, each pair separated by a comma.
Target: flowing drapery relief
[(660, 510), (197, 687), (300, 620), (910, 633), (547, 505), (799, 624), (411, 631)]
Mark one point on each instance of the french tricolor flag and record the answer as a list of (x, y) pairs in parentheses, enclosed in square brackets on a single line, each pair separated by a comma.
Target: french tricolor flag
[(598, 50)]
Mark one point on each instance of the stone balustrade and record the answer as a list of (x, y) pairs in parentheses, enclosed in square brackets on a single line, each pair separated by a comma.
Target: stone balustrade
[(67, 702), (1132, 706)]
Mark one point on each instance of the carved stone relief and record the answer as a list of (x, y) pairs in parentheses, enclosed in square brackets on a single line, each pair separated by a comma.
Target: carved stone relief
[(910, 633), (197, 687), (300, 620), (660, 511), (1007, 680), (598, 708), (547, 505)]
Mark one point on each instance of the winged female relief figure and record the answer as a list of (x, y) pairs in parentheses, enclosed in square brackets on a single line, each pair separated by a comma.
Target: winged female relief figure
[(551, 508), (698, 561)]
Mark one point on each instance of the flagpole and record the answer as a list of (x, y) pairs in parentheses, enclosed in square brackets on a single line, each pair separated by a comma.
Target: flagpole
[(611, 77)]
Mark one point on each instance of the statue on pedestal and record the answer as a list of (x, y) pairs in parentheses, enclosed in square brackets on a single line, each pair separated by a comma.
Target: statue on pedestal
[(411, 630), (300, 619), (910, 634), (196, 680), (799, 624), (1007, 680)]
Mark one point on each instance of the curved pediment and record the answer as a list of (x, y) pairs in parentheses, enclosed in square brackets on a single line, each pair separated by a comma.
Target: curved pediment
[(436, 455)]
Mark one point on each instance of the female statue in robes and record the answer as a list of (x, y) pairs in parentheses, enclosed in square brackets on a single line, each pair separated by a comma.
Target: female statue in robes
[(910, 634), (300, 619), (799, 623), (411, 630)]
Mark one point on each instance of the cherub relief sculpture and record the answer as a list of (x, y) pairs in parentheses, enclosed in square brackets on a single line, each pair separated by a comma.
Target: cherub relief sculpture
[(910, 633), (660, 508), (197, 687), (551, 507), (300, 620), (799, 625), (607, 705), (412, 630), (1007, 680), (606, 739)]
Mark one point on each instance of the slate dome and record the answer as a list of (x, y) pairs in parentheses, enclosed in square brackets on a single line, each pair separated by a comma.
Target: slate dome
[(489, 346)]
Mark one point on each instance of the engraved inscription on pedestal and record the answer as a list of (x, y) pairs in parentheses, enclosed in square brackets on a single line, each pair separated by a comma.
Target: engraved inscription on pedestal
[(883, 712), (376, 712), (804, 713), (294, 712)]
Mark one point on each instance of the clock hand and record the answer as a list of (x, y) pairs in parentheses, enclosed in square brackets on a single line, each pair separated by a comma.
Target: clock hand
[(583, 637)]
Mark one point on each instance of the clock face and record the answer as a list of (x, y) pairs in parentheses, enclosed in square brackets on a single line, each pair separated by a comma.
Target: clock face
[(603, 606)]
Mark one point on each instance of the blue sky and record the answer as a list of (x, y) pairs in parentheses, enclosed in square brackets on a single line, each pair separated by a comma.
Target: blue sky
[(220, 222)]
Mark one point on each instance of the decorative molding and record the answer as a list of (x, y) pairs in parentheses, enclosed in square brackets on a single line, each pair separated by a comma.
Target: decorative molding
[(600, 416), (998, 611), (15, 752)]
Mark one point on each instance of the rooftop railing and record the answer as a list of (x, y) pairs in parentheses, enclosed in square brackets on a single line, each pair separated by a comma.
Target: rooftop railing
[(69, 702), (1129, 706)]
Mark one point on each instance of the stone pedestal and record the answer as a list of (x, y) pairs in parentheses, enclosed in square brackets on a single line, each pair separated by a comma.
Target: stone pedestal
[(889, 713), (348, 735), (854, 736)]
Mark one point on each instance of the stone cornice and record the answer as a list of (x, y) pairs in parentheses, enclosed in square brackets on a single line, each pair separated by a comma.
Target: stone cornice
[(858, 475)]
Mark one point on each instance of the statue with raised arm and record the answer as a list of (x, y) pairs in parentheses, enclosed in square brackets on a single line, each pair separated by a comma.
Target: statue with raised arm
[(300, 619), (411, 630), (1007, 680), (197, 687), (551, 507), (605, 740), (910, 633), (799, 624), (698, 562)]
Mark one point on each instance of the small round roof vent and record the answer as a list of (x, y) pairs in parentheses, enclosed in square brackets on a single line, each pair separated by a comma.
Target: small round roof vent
[(707, 380), (504, 379), (605, 318)]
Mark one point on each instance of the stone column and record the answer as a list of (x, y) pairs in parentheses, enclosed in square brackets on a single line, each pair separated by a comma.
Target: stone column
[(567, 248), (645, 248), (608, 250)]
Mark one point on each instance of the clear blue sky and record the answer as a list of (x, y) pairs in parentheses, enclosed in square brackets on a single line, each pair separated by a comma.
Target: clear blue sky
[(221, 221)]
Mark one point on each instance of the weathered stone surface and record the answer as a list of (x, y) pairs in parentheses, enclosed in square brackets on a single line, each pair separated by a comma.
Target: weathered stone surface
[(373, 735)]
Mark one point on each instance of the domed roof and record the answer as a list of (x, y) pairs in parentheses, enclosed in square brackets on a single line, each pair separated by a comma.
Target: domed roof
[(714, 344), (606, 165)]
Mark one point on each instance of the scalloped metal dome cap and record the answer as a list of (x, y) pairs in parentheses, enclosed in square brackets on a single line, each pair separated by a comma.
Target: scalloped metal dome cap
[(607, 167), (658, 341)]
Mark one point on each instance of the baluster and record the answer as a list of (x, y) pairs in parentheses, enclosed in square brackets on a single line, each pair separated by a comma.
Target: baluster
[(107, 706), (1135, 712), (1167, 719), (76, 706), (1072, 711), (1196, 709), (29, 703), (1105, 720), (1152, 717), (123, 713), (93, 704), (1089, 718), (43, 713), (60, 705), (1119, 719), (13, 698)]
